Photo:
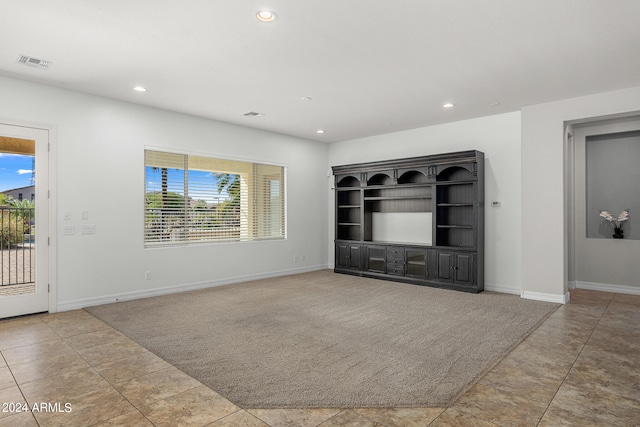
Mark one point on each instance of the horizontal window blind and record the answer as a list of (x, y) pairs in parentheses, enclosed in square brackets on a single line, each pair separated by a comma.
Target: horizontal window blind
[(195, 199)]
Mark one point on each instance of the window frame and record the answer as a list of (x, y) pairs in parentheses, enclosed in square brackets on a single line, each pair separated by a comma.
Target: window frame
[(254, 223)]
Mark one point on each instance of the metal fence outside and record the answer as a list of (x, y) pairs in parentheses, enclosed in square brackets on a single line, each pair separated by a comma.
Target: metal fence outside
[(17, 244)]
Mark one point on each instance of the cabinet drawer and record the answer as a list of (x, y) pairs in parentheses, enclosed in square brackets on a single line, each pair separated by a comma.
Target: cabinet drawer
[(395, 264), (395, 254), (395, 269)]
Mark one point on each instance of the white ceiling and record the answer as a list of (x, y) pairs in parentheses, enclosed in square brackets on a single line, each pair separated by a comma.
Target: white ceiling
[(369, 66)]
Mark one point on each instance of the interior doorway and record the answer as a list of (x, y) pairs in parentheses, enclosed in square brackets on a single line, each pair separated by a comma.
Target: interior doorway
[(24, 219), (594, 259)]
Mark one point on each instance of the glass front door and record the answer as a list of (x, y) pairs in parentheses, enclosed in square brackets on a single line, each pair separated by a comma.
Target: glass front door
[(23, 217)]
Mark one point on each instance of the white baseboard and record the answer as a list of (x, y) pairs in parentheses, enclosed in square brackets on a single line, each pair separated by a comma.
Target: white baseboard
[(571, 285), (605, 287), (107, 299), (492, 287), (540, 296)]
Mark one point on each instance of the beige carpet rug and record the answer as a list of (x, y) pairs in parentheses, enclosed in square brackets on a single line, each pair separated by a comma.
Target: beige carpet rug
[(329, 340)]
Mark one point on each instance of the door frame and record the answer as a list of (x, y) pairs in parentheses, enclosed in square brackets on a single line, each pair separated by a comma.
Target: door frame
[(51, 208)]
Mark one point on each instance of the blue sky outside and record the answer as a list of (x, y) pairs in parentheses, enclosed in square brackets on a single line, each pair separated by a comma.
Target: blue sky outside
[(203, 185), (15, 171)]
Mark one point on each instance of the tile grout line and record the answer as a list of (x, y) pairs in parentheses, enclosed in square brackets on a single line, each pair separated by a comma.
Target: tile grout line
[(576, 359), (170, 366), (107, 381), (19, 389), (233, 413), (63, 339), (341, 411), (504, 391), (580, 350), (113, 386), (16, 380)]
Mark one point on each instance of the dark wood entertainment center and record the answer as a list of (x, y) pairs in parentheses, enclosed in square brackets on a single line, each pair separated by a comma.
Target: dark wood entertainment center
[(418, 220)]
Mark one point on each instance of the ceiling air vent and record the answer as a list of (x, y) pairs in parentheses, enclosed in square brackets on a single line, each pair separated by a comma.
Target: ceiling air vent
[(33, 62), (253, 114)]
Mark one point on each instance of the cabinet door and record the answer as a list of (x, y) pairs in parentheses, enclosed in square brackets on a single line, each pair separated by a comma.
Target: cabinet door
[(445, 266), (416, 263), (465, 269), (457, 267), (432, 265), (348, 256), (342, 255), (355, 260), (375, 258)]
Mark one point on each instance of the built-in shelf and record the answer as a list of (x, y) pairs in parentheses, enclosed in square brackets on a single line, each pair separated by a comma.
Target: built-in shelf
[(418, 220), (396, 198), (446, 183)]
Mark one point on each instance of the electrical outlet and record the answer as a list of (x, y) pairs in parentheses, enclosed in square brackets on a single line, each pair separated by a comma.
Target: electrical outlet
[(89, 229), (295, 258), (147, 275), (304, 257)]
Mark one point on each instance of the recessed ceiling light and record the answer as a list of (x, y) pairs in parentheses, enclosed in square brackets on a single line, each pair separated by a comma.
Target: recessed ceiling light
[(266, 15), (319, 131), (140, 89), (448, 105)]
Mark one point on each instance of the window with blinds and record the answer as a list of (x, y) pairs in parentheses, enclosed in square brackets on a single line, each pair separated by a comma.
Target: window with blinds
[(196, 199)]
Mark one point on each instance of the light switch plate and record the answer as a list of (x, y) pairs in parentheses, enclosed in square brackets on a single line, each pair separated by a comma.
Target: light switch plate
[(89, 229)]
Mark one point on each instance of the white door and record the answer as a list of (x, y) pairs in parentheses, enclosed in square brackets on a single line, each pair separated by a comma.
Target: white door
[(24, 234)]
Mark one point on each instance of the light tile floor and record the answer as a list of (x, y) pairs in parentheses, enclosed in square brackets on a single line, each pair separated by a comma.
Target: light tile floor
[(581, 367)]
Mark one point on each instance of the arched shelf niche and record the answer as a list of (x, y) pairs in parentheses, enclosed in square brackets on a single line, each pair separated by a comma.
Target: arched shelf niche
[(455, 173), (348, 181), (380, 179), (412, 177)]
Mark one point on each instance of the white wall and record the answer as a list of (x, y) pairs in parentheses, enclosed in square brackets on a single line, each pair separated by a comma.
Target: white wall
[(100, 168), (499, 138), (99, 150), (544, 226)]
